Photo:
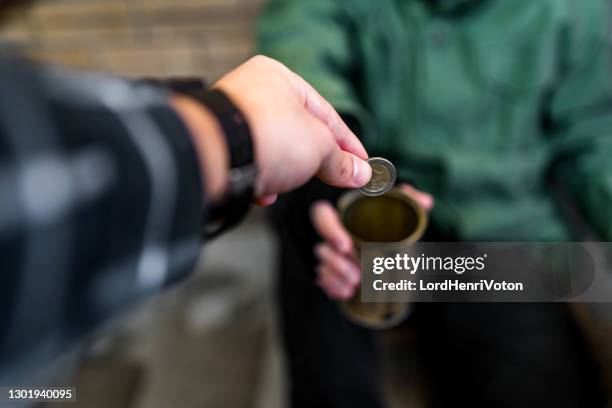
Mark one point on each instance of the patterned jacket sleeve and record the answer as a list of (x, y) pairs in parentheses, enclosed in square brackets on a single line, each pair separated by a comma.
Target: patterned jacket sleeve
[(100, 204)]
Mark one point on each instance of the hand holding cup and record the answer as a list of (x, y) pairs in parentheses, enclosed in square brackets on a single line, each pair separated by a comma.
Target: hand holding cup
[(339, 272)]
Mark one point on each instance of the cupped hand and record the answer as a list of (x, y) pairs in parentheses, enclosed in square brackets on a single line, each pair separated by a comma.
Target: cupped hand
[(338, 271)]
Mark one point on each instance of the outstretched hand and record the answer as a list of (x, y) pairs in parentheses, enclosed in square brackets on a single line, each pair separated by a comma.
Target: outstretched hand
[(297, 134)]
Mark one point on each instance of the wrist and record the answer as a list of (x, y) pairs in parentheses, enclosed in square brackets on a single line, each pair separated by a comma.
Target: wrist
[(229, 203), (209, 142), (246, 111)]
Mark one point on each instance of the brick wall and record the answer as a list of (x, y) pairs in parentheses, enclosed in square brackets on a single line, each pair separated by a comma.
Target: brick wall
[(138, 37)]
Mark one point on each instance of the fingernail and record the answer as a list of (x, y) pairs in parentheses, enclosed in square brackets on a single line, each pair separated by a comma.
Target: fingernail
[(362, 172), (319, 252), (343, 245), (357, 275), (430, 201), (346, 293), (354, 276)]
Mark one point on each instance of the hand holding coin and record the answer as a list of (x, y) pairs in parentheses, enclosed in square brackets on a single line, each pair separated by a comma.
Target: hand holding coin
[(383, 177)]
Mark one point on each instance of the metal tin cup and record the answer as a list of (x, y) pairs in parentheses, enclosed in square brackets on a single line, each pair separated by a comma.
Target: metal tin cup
[(393, 217)]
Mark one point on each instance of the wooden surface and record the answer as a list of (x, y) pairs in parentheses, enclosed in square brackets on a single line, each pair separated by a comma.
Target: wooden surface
[(138, 37)]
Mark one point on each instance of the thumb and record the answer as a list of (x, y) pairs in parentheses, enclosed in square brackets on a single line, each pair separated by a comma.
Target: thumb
[(338, 167), (421, 197), (344, 169)]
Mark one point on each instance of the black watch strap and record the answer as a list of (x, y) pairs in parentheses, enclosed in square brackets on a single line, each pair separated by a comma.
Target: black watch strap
[(243, 170)]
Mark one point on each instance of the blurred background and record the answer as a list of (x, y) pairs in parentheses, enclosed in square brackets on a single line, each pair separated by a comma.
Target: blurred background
[(211, 341), (138, 37)]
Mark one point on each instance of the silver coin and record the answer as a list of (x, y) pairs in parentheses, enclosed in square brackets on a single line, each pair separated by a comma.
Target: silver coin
[(383, 177)]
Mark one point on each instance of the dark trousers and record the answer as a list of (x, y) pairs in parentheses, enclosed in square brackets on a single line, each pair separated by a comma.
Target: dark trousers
[(472, 354)]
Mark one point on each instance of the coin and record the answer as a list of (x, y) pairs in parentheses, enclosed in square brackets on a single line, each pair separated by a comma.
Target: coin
[(383, 177)]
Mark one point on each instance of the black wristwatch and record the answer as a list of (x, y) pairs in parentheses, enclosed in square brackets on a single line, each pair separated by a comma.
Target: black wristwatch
[(243, 169)]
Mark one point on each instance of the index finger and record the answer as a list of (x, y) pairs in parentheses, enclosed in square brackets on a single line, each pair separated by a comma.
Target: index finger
[(327, 223), (325, 112)]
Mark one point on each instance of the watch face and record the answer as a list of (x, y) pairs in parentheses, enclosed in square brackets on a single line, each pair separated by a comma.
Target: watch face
[(383, 177)]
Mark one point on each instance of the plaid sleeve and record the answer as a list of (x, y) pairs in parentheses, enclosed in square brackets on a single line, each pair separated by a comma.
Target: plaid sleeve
[(100, 204)]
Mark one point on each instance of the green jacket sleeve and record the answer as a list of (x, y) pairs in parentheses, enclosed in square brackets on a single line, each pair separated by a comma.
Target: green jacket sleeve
[(313, 38), (581, 112)]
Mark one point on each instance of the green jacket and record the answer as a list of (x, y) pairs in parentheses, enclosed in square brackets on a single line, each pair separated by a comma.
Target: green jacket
[(481, 103)]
